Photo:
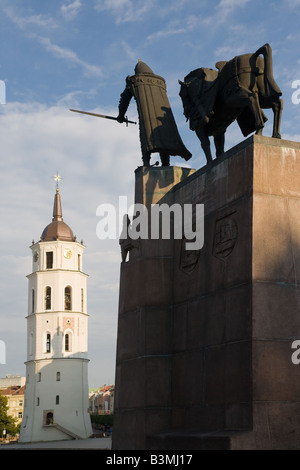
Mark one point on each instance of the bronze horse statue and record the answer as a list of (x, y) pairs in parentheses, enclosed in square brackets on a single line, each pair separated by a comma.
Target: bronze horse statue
[(241, 87)]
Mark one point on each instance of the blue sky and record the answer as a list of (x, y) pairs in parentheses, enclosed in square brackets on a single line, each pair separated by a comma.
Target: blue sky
[(57, 55)]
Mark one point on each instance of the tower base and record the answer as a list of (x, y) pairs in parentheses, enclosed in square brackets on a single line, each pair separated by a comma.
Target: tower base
[(56, 410)]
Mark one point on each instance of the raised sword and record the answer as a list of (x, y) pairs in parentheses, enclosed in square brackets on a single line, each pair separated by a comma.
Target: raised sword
[(103, 116)]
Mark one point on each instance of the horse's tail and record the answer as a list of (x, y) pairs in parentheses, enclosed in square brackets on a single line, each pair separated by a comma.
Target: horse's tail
[(271, 87)]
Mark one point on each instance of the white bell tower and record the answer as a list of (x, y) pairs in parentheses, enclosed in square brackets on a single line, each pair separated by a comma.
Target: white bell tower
[(56, 393)]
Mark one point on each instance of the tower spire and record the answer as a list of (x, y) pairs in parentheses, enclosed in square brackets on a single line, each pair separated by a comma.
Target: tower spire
[(57, 209), (57, 229)]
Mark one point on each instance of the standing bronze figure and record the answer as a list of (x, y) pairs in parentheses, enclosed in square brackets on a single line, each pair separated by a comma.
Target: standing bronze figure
[(239, 90), (158, 129)]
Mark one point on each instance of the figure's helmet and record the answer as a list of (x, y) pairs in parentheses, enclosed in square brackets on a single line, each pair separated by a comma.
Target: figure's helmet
[(141, 67)]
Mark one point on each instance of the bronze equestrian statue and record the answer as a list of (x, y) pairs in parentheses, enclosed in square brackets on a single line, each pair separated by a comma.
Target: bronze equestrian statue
[(241, 87)]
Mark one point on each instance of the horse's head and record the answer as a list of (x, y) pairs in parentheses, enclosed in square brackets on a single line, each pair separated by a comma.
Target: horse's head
[(197, 73), (184, 95)]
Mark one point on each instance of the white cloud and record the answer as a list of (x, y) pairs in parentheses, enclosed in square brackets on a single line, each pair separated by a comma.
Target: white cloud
[(129, 51), (222, 11), (70, 10), (165, 33), (25, 22), (70, 99), (229, 52), (175, 27), (125, 10), (113, 5), (70, 56)]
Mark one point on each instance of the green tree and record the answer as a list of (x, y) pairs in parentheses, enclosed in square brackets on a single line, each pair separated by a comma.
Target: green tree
[(102, 419), (6, 421)]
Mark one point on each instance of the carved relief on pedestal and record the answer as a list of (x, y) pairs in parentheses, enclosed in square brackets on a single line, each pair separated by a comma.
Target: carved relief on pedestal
[(225, 236), (188, 258)]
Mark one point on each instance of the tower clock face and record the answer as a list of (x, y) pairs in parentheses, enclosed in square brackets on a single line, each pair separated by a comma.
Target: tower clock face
[(35, 256), (67, 254)]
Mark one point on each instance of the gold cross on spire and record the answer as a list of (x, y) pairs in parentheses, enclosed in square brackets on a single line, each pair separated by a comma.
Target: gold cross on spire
[(57, 178)]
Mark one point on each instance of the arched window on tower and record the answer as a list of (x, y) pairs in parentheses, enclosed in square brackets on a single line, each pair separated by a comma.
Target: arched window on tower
[(48, 342), (49, 418), (68, 298), (31, 344), (49, 259), (47, 298), (68, 341), (32, 301)]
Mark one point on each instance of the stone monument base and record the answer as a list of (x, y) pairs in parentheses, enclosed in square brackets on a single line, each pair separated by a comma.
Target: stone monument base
[(206, 357)]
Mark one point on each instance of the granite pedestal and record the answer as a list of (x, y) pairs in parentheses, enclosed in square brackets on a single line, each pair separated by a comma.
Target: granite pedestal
[(204, 349)]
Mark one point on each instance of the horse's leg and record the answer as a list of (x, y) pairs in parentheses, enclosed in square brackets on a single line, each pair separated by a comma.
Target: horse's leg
[(219, 144), (245, 97), (256, 110), (146, 157), (277, 110), (205, 143), (165, 159)]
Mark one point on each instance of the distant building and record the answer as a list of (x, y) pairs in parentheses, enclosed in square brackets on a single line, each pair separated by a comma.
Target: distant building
[(56, 393), (12, 381), (101, 401), (15, 401)]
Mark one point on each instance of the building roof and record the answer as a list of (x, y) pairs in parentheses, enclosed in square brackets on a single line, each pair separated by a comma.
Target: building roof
[(9, 391), (57, 229)]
